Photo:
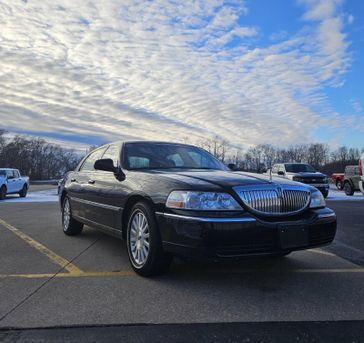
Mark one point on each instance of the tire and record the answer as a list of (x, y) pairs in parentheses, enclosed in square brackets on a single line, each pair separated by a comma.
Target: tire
[(23, 192), (2, 192), (348, 189), (325, 194), (339, 185), (71, 227), (144, 244)]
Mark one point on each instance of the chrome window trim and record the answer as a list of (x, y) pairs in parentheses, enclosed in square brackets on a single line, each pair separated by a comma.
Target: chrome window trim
[(207, 219), (97, 204)]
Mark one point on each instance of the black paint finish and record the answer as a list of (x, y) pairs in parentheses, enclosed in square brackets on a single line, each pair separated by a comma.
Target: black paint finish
[(102, 199)]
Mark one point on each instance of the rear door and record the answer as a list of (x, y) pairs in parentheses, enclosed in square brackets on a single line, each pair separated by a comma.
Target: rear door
[(11, 181), (18, 183), (80, 185), (106, 193)]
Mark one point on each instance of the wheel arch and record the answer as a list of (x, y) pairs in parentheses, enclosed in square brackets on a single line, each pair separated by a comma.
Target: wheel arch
[(132, 200)]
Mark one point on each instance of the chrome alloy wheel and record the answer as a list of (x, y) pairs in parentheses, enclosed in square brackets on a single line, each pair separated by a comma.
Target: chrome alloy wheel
[(66, 214), (139, 238)]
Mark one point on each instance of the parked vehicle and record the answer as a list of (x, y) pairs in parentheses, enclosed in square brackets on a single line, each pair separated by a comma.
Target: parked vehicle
[(338, 180), (361, 173), (11, 183), (302, 172), (352, 179), (170, 199)]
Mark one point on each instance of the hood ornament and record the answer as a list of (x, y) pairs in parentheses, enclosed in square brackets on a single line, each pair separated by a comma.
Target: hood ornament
[(270, 176)]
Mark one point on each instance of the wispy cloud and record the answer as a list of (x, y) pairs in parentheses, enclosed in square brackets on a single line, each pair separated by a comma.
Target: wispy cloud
[(167, 70)]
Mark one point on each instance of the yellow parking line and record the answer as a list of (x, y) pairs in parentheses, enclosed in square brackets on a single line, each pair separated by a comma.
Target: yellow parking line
[(42, 249), (131, 273), (67, 275)]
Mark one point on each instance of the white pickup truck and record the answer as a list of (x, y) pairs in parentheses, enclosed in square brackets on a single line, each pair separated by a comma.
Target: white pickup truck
[(11, 183)]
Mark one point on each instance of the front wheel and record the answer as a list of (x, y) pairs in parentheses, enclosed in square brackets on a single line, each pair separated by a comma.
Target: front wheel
[(71, 227), (325, 194), (144, 244), (339, 185), (349, 190), (23, 192)]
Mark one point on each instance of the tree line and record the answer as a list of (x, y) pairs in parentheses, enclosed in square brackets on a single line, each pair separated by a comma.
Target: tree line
[(35, 157), (42, 160), (262, 157)]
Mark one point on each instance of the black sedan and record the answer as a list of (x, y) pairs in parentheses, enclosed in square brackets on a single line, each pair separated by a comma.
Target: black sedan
[(171, 199)]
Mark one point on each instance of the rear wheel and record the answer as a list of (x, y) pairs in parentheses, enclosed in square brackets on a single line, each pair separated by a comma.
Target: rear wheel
[(144, 244), (23, 192), (71, 226), (2, 192), (348, 188)]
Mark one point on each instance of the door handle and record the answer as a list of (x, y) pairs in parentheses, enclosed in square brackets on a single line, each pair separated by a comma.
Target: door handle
[(91, 182)]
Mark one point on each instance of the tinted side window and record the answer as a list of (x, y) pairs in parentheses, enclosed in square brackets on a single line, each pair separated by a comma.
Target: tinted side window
[(88, 164), (113, 152)]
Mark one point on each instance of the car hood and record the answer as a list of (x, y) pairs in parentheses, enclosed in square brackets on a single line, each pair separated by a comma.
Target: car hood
[(220, 178)]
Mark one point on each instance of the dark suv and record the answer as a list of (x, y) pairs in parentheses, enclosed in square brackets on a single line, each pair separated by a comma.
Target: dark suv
[(302, 172)]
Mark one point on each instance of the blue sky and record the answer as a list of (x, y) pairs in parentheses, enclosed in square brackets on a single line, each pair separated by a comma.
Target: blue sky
[(254, 71)]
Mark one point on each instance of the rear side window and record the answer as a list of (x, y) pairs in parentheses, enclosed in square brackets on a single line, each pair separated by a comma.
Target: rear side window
[(10, 174), (88, 164)]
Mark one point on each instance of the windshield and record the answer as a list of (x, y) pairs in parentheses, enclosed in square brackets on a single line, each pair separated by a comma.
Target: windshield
[(168, 156), (2, 173), (299, 168)]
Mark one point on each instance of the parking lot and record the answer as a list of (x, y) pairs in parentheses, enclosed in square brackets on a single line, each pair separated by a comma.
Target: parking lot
[(48, 279)]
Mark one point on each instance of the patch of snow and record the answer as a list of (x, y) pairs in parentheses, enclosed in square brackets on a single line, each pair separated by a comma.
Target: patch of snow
[(336, 195), (49, 195)]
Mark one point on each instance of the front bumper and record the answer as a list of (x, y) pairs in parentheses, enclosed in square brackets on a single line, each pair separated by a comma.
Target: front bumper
[(245, 235), (323, 187)]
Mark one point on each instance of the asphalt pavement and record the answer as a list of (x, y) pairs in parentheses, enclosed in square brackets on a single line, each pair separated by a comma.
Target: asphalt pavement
[(50, 280)]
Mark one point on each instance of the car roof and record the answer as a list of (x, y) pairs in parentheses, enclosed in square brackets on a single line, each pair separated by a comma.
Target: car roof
[(143, 141), (8, 169)]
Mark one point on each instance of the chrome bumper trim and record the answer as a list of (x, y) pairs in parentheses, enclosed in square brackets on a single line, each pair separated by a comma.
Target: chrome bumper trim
[(207, 219)]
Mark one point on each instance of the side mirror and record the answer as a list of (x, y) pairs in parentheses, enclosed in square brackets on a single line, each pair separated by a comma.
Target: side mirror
[(232, 166), (105, 164), (280, 172)]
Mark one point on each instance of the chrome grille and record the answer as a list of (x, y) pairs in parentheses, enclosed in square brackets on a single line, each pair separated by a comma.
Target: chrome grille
[(274, 199)]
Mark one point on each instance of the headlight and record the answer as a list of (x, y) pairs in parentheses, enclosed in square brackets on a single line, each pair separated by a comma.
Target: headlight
[(317, 200), (202, 201)]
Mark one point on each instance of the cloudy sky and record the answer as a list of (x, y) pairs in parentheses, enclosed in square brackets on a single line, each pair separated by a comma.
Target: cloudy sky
[(88, 72)]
